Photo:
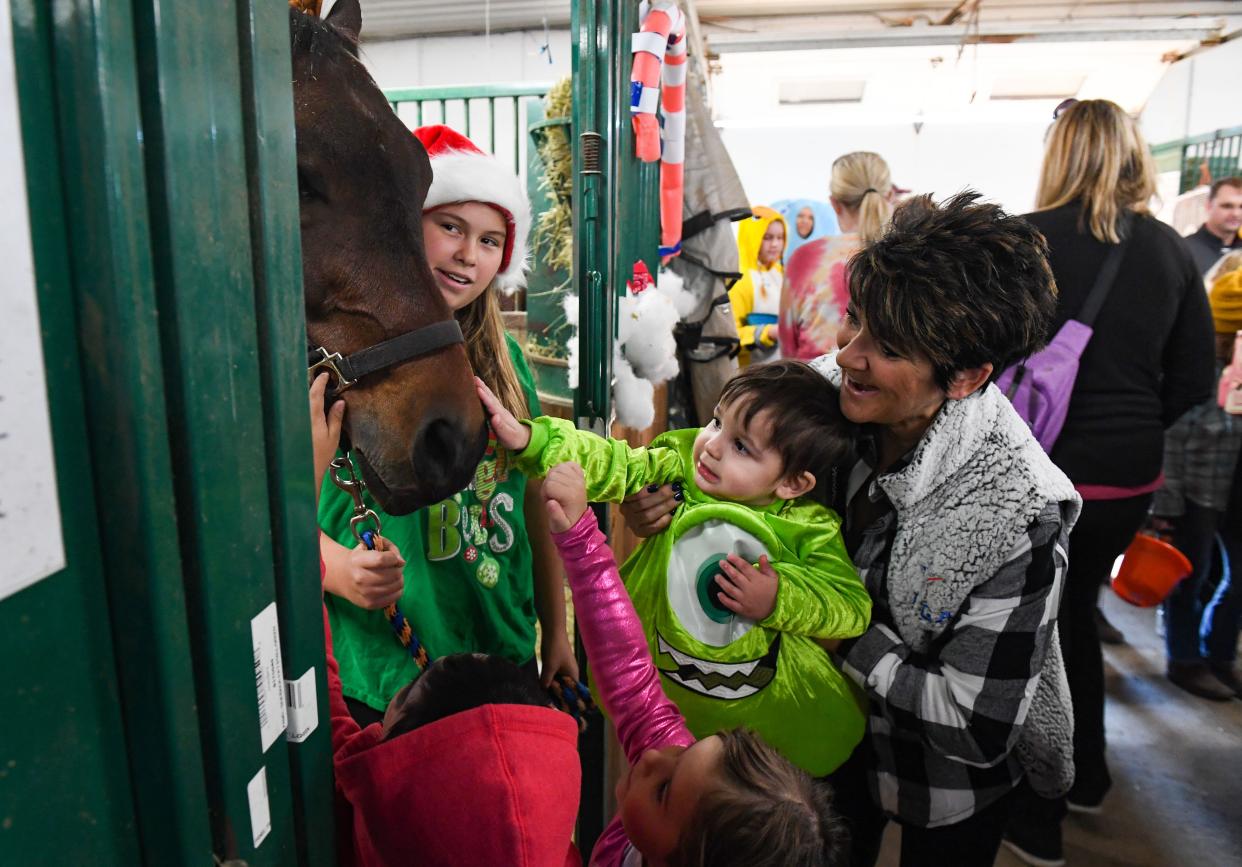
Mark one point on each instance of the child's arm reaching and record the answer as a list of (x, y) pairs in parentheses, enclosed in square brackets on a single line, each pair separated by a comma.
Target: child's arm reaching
[(612, 469), (625, 676)]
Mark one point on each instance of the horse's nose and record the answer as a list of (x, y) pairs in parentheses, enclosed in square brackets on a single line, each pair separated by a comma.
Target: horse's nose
[(439, 449)]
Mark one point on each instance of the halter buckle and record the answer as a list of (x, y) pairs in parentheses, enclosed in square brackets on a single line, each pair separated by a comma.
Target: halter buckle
[(330, 362)]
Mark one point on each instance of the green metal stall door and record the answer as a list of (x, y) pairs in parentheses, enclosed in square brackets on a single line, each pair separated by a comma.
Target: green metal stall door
[(159, 151), (65, 784)]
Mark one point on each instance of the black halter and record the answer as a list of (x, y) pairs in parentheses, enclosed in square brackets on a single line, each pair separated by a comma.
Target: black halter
[(349, 369)]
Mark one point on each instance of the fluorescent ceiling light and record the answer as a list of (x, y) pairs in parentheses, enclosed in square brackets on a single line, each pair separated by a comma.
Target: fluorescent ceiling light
[(1042, 86), (819, 92)]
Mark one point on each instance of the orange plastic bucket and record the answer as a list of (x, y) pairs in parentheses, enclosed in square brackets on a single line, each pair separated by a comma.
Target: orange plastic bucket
[(1149, 571)]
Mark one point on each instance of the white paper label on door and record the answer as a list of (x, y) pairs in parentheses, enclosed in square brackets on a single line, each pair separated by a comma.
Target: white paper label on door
[(31, 546), (301, 698), (269, 675), (260, 808)]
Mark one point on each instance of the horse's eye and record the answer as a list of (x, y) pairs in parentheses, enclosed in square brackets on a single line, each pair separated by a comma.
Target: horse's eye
[(306, 188)]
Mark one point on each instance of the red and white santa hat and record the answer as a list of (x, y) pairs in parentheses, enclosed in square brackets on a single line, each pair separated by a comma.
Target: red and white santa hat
[(463, 173)]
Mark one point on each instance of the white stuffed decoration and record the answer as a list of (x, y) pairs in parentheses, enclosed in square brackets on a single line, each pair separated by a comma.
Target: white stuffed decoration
[(633, 397), (672, 285), (648, 355), (570, 305), (650, 346)]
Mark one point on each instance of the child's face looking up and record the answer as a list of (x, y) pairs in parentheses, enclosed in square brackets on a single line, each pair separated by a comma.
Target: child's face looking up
[(465, 242), (734, 461), (658, 798)]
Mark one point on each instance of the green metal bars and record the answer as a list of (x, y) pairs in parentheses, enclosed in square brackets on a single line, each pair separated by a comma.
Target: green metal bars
[(616, 222), (1220, 152), (409, 102), (616, 200)]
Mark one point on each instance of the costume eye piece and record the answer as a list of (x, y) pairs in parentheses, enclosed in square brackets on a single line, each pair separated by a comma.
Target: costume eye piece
[(693, 593)]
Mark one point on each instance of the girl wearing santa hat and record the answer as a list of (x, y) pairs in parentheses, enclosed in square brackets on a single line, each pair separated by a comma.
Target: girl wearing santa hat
[(479, 566)]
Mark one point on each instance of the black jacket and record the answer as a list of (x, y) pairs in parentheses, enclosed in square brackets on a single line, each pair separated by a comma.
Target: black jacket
[(1206, 249), (1150, 358)]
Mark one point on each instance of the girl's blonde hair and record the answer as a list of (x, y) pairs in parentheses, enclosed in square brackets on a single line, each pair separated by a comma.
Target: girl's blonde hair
[(484, 330), (862, 183), (1096, 156)]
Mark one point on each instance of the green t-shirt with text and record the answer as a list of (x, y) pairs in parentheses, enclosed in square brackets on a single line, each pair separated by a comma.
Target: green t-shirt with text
[(468, 587)]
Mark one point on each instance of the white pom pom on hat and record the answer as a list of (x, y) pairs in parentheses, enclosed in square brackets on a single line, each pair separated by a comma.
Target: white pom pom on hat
[(461, 172)]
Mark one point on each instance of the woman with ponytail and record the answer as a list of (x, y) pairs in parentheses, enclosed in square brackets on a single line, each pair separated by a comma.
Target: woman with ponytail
[(816, 291)]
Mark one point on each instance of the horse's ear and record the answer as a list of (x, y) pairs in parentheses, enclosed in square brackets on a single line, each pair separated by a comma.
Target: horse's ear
[(345, 16)]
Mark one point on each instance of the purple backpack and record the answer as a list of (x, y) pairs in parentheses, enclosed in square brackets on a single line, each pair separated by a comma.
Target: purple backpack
[(1040, 386)]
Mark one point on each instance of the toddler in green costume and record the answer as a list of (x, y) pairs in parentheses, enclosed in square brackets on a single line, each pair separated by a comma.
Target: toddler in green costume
[(736, 592)]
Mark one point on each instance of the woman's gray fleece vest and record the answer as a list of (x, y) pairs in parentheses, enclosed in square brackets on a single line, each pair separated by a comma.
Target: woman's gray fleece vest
[(974, 484)]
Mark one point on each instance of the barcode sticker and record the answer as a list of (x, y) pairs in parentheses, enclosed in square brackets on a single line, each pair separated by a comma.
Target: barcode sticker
[(303, 707), (260, 809), (269, 676)]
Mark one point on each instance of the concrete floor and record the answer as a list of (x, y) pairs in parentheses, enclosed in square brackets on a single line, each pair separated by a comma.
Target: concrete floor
[(1176, 762)]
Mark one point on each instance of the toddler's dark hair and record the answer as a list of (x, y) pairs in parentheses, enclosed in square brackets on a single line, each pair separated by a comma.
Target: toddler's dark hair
[(767, 813), (808, 428), (461, 682)]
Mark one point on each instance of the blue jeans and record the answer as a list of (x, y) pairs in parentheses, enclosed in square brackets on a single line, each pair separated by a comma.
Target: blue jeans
[(1222, 618), (1197, 631)]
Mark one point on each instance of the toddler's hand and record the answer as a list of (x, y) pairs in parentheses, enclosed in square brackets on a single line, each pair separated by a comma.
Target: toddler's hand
[(375, 578), (748, 591), (510, 432), (325, 427), (564, 492)]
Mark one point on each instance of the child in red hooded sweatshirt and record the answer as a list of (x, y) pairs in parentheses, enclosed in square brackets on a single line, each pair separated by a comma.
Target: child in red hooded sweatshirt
[(469, 766)]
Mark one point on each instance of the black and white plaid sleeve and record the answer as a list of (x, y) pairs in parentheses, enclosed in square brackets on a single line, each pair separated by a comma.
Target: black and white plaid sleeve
[(968, 698)]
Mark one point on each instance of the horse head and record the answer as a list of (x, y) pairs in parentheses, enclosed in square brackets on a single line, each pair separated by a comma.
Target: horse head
[(417, 430)]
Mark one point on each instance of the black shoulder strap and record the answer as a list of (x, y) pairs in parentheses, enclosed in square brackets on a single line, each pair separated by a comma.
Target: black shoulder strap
[(1107, 276)]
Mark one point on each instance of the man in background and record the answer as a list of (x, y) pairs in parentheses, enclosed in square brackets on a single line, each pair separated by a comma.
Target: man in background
[(1219, 232)]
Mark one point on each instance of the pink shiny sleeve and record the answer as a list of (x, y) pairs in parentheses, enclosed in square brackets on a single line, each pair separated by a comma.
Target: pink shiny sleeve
[(625, 676)]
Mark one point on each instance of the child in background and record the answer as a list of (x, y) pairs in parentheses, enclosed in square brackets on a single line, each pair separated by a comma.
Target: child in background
[(1201, 453), (756, 297), (807, 221), (423, 786), (728, 799), (478, 566), (736, 643)]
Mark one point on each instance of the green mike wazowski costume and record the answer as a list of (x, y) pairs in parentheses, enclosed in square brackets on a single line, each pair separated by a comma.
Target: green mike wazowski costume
[(723, 670)]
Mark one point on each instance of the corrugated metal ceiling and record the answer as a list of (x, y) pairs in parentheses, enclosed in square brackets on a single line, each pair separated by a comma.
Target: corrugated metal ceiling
[(733, 22)]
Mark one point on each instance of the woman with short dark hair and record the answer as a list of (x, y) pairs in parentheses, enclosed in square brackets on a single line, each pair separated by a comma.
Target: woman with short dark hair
[(957, 521)]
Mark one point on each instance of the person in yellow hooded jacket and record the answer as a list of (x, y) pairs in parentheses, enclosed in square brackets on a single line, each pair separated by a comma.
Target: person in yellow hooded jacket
[(756, 297)]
